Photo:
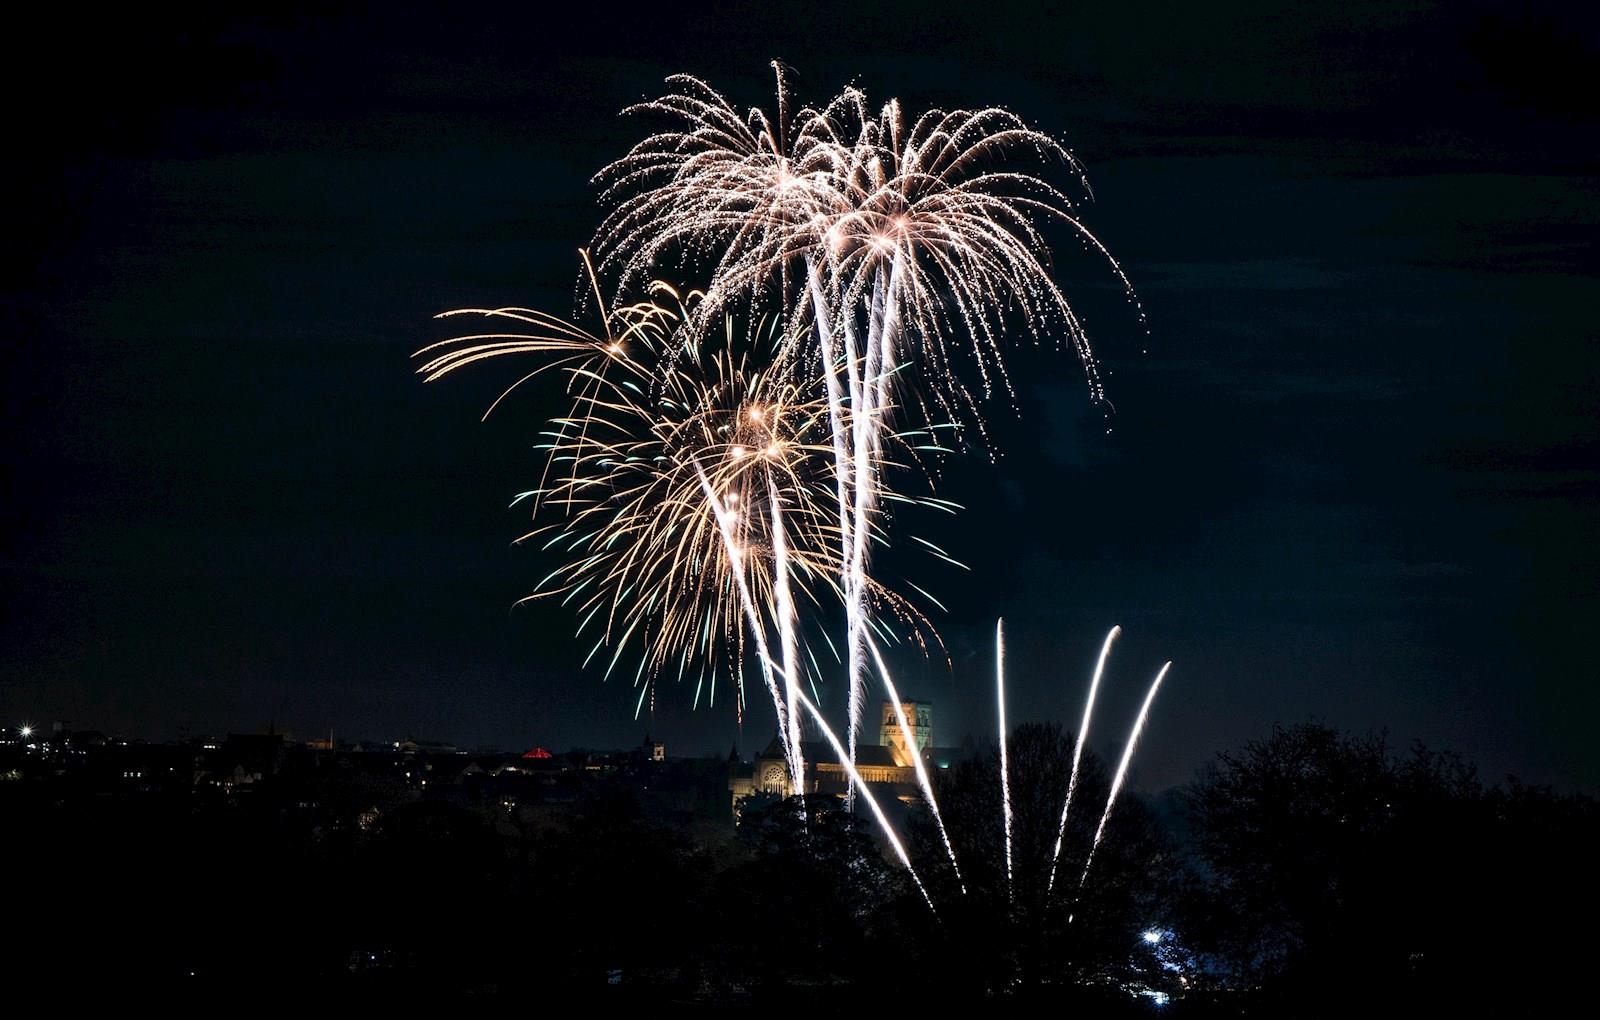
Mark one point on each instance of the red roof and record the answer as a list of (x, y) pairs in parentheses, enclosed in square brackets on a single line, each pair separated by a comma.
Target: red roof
[(537, 752)]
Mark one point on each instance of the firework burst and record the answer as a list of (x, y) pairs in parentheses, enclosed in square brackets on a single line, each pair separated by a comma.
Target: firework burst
[(689, 488), (905, 243)]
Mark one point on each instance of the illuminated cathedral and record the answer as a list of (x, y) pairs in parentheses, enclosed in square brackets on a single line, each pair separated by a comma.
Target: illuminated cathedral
[(886, 767)]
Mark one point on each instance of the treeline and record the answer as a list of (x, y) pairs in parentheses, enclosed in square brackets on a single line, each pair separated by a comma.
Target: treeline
[(1310, 873)]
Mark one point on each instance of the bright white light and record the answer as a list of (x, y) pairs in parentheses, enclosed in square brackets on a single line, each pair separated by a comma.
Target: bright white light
[(27, 731), (1152, 936), (1005, 770)]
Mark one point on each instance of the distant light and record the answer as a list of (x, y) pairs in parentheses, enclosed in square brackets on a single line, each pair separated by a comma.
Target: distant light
[(1152, 936), (27, 731)]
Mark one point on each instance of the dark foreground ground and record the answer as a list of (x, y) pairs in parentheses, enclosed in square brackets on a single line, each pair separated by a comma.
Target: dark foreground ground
[(1309, 873)]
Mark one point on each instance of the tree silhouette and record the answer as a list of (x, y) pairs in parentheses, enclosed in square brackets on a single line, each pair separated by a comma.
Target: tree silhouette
[(1340, 873), (814, 901)]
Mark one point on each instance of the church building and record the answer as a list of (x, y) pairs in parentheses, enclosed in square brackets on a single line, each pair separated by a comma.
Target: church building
[(886, 767)]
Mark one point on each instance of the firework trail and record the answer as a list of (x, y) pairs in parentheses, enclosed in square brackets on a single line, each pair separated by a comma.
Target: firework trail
[(1005, 770), (781, 704), (844, 474), (1122, 773), (1077, 753), (866, 794), (786, 636), (916, 760)]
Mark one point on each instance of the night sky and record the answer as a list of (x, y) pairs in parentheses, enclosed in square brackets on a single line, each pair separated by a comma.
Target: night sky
[(1351, 474)]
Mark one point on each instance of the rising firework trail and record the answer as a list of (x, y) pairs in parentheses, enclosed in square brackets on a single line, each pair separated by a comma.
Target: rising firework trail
[(1005, 769), (1122, 772), (1077, 753)]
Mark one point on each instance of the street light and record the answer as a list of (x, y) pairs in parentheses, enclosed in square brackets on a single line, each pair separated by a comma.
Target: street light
[(26, 731)]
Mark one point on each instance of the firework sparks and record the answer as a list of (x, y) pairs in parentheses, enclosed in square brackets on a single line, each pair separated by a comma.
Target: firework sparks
[(897, 237), (691, 486)]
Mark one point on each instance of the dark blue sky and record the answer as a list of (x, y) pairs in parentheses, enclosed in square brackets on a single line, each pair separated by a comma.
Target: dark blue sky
[(1354, 477)]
